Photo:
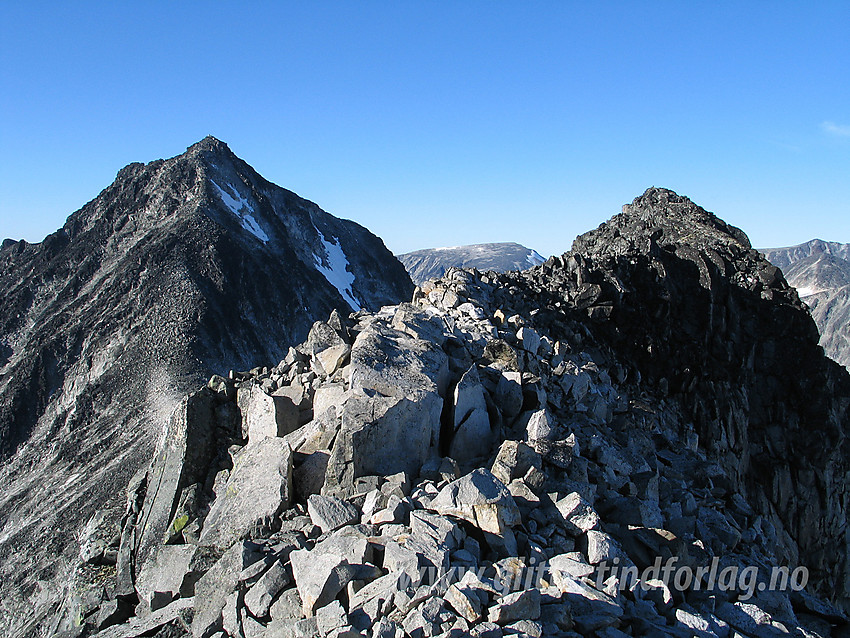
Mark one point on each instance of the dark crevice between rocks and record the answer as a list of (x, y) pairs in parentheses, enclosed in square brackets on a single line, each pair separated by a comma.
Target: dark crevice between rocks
[(447, 417)]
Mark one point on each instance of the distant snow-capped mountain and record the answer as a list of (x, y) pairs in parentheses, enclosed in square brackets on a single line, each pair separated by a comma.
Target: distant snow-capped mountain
[(432, 263), (820, 271)]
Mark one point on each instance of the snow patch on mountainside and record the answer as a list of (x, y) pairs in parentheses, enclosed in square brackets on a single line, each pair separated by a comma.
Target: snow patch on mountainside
[(534, 258), (807, 292), (336, 272), (237, 205)]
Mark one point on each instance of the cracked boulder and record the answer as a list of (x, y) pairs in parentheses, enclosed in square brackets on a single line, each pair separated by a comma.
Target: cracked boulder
[(258, 490)]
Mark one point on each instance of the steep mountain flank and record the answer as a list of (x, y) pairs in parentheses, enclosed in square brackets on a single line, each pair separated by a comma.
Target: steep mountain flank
[(820, 271), (180, 267), (432, 263)]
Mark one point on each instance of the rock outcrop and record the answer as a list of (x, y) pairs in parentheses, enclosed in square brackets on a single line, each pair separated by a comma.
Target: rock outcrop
[(180, 267), (654, 398)]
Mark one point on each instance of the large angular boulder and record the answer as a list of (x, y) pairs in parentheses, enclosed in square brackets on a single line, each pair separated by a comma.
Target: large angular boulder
[(419, 323), (396, 364), (183, 457), (541, 430), (472, 435), (327, 396), (480, 498), (309, 477), (578, 514), (266, 416), (326, 348), (321, 573), (259, 598), (391, 419), (514, 460), (258, 489), (317, 434), (382, 435), (508, 394), (160, 579)]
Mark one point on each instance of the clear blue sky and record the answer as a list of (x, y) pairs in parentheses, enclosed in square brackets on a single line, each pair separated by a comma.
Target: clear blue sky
[(442, 123)]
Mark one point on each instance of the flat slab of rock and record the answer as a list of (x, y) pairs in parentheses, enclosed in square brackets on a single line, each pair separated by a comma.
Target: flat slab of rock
[(331, 513), (328, 395), (143, 625), (162, 574), (319, 578), (316, 435), (464, 601), (521, 605), (212, 590), (480, 498), (586, 600), (570, 565), (259, 598), (259, 488), (321, 573), (182, 458)]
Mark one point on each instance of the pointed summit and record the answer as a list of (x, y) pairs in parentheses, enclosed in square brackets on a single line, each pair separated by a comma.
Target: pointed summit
[(180, 268), (663, 216), (209, 146)]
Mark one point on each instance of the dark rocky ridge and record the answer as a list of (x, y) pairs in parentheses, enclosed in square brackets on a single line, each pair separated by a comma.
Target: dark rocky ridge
[(180, 267), (657, 391), (709, 325)]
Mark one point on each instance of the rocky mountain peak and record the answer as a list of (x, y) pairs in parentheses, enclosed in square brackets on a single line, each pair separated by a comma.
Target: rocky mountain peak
[(820, 271), (662, 216), (209, 144), (181, 266)]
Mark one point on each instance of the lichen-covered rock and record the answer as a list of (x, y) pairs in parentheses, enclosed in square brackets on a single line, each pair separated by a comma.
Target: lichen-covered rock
[(258, 489)]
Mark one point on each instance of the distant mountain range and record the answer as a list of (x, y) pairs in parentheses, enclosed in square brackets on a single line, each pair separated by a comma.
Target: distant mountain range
[(432, 263), (820, 271)]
